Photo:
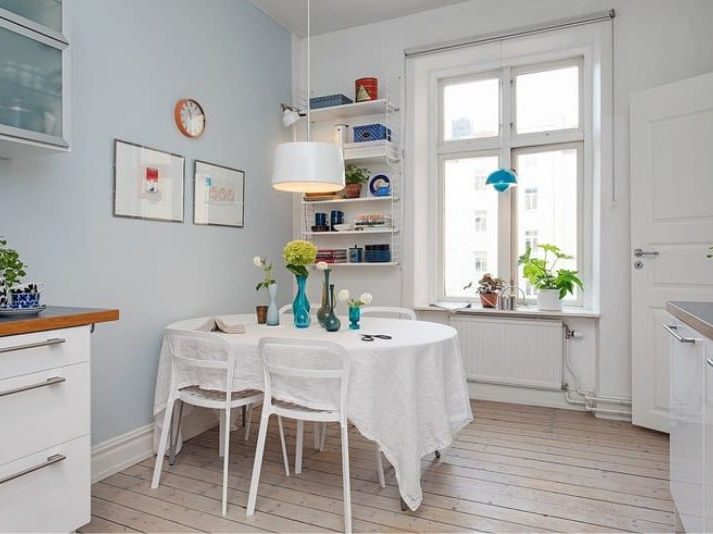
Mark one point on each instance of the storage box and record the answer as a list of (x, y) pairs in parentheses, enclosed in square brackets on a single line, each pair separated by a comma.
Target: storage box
[(371, 132), (329, 101), (377, 253)]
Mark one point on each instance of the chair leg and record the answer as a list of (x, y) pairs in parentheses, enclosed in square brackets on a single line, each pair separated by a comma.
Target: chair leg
[(223, 428), (316, 437), (285, 459), (345, 480), (226, 460), (324, 437), (173, 436), (162, 443), (380, 467), (299, 442), (248, 418), (259, 451)]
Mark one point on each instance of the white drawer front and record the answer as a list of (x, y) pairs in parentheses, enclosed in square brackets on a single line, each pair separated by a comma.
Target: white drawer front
[(54, 497), (41, 409), (29, 353)]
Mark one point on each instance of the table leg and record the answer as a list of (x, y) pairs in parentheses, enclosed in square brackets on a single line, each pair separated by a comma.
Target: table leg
[(437, 454), (173, 437), (404, 506), (244, 415)]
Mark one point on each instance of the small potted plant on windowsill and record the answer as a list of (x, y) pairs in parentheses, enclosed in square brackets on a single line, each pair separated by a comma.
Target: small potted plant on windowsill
[(354, 177), (488, 289), (552, 286)]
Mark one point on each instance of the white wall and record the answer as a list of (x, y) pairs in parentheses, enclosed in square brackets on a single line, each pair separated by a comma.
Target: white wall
[(656, 41), (131, 61)]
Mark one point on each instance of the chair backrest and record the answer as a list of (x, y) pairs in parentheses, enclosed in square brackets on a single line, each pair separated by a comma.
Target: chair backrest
[(386, 310), (201, 350), (287, 308), (311, 373)]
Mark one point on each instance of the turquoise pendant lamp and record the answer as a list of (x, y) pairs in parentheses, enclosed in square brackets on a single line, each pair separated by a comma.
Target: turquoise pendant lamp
[(502, 180)]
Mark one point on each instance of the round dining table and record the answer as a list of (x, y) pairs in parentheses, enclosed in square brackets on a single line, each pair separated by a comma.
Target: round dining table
[(407, 393)]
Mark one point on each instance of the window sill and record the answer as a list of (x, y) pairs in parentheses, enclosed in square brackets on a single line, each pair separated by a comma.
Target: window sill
[(524, 311)]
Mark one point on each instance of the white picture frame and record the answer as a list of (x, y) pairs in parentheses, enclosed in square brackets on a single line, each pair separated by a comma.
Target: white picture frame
[(218, 195), (148, 183)]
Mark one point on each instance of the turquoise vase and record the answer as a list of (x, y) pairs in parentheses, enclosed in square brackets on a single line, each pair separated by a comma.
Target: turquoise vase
[(331, 321), (354, 316), (323, 310), (300, 306)]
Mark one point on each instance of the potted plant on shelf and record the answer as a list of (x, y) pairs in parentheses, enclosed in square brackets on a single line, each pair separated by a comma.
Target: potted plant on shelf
[(12, 270), (267, 314), (354, 177), (552, 286)]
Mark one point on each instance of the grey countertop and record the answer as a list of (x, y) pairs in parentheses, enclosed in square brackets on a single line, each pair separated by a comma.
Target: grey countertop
[(697, 315)]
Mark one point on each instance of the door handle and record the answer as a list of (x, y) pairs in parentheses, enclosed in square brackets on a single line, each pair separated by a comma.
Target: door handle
[(671, 329), (640, 253)]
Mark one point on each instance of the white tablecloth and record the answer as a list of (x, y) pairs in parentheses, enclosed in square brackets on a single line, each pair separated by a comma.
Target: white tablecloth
[(409, 394)]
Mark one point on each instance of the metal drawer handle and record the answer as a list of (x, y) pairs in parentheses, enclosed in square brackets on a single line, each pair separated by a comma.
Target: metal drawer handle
[(55, 458), (709, 362), (49, 382), (671, 329), (47, 343)]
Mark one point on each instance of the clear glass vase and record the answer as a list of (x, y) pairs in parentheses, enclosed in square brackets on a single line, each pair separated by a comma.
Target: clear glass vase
[(273, 312), (300, 306)]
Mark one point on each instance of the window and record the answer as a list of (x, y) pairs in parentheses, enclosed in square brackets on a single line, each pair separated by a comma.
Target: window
[(481, 220), (530, 198), (543, 142), (471, 109), (480, 262)]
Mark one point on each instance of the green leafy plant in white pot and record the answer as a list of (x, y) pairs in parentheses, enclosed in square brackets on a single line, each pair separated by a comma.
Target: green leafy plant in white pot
[(552, 285)]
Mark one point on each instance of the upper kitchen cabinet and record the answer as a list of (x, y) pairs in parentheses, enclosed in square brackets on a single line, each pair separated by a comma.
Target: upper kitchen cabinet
[(34, 73)]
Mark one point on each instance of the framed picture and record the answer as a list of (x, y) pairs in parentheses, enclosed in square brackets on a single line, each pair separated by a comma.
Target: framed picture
[(219, 194), (148, 183)]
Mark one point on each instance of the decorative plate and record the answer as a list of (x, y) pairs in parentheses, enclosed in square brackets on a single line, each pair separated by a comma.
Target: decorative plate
[(21, 312), (379, 181)]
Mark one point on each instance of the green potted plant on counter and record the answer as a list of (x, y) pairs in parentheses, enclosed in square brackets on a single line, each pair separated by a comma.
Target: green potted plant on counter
[(354, 177), (552, 285)]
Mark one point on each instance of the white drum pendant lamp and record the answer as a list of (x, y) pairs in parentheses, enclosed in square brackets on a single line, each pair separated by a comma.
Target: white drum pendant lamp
[(308, 166)]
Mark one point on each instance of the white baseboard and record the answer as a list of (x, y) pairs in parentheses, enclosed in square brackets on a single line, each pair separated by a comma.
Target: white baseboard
[(121, 452)]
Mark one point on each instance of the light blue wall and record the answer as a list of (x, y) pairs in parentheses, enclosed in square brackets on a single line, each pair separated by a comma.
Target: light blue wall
[(131, 61)]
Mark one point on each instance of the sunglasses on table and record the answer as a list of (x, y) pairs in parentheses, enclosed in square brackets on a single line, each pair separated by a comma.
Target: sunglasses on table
[(372, 337)]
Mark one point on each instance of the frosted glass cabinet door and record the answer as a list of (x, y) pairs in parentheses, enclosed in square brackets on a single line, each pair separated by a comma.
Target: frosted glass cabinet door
[(30, 86), (47, 13)]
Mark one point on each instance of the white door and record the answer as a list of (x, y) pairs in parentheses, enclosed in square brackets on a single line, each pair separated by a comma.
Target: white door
[(671, 226)]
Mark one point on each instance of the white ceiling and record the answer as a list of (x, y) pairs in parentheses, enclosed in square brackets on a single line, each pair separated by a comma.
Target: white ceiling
[(332, 15)]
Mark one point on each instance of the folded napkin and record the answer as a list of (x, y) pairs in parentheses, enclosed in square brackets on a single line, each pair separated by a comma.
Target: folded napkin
[(216, 324)]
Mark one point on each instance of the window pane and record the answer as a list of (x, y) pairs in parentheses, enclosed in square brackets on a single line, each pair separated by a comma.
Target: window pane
[(470, 224), (552, 217), (547, 100), (471, 110)]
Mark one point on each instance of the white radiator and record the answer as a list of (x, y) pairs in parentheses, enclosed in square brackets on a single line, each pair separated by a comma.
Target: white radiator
[(514, 352)]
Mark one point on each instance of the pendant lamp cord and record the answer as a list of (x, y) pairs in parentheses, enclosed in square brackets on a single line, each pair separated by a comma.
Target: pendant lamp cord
[(309, 89)]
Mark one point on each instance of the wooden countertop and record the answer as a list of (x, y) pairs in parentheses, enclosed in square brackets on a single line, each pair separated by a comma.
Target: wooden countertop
[(697, 315), (55, 317)]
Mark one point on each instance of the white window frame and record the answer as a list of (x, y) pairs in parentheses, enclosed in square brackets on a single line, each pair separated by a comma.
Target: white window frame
[(423, 163)]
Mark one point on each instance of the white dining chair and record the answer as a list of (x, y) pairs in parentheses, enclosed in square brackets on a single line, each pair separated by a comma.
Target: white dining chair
[(388, 310), (204, 351), (286, 309), (328, 365)]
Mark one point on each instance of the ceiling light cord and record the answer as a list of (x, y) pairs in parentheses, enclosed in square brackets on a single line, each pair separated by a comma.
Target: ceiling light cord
[(309, 58)]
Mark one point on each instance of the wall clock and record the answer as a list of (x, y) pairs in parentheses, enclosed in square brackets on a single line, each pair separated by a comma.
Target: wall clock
[(190, 118)]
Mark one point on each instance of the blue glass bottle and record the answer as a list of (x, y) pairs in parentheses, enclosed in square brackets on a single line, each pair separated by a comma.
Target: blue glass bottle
[(300, 306), (354, 316)]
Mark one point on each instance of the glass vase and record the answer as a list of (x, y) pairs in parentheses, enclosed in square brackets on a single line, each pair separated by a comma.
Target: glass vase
[(323, 310), (331, 321), (300, 306), (354, 317), (273, 313)]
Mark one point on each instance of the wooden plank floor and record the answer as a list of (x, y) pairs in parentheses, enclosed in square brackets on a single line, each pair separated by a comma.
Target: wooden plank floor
[(514, 469)]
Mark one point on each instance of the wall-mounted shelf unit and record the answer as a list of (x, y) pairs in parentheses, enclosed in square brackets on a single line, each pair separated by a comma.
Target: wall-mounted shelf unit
[(379, 157), (34, 73)]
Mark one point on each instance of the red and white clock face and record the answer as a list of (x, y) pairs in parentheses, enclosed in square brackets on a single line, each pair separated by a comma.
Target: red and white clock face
[(190, 118)]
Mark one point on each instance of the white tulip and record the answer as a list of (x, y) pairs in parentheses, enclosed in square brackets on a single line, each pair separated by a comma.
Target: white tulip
[(343, 295), (366, 298), (258, 261), (322, 265)]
